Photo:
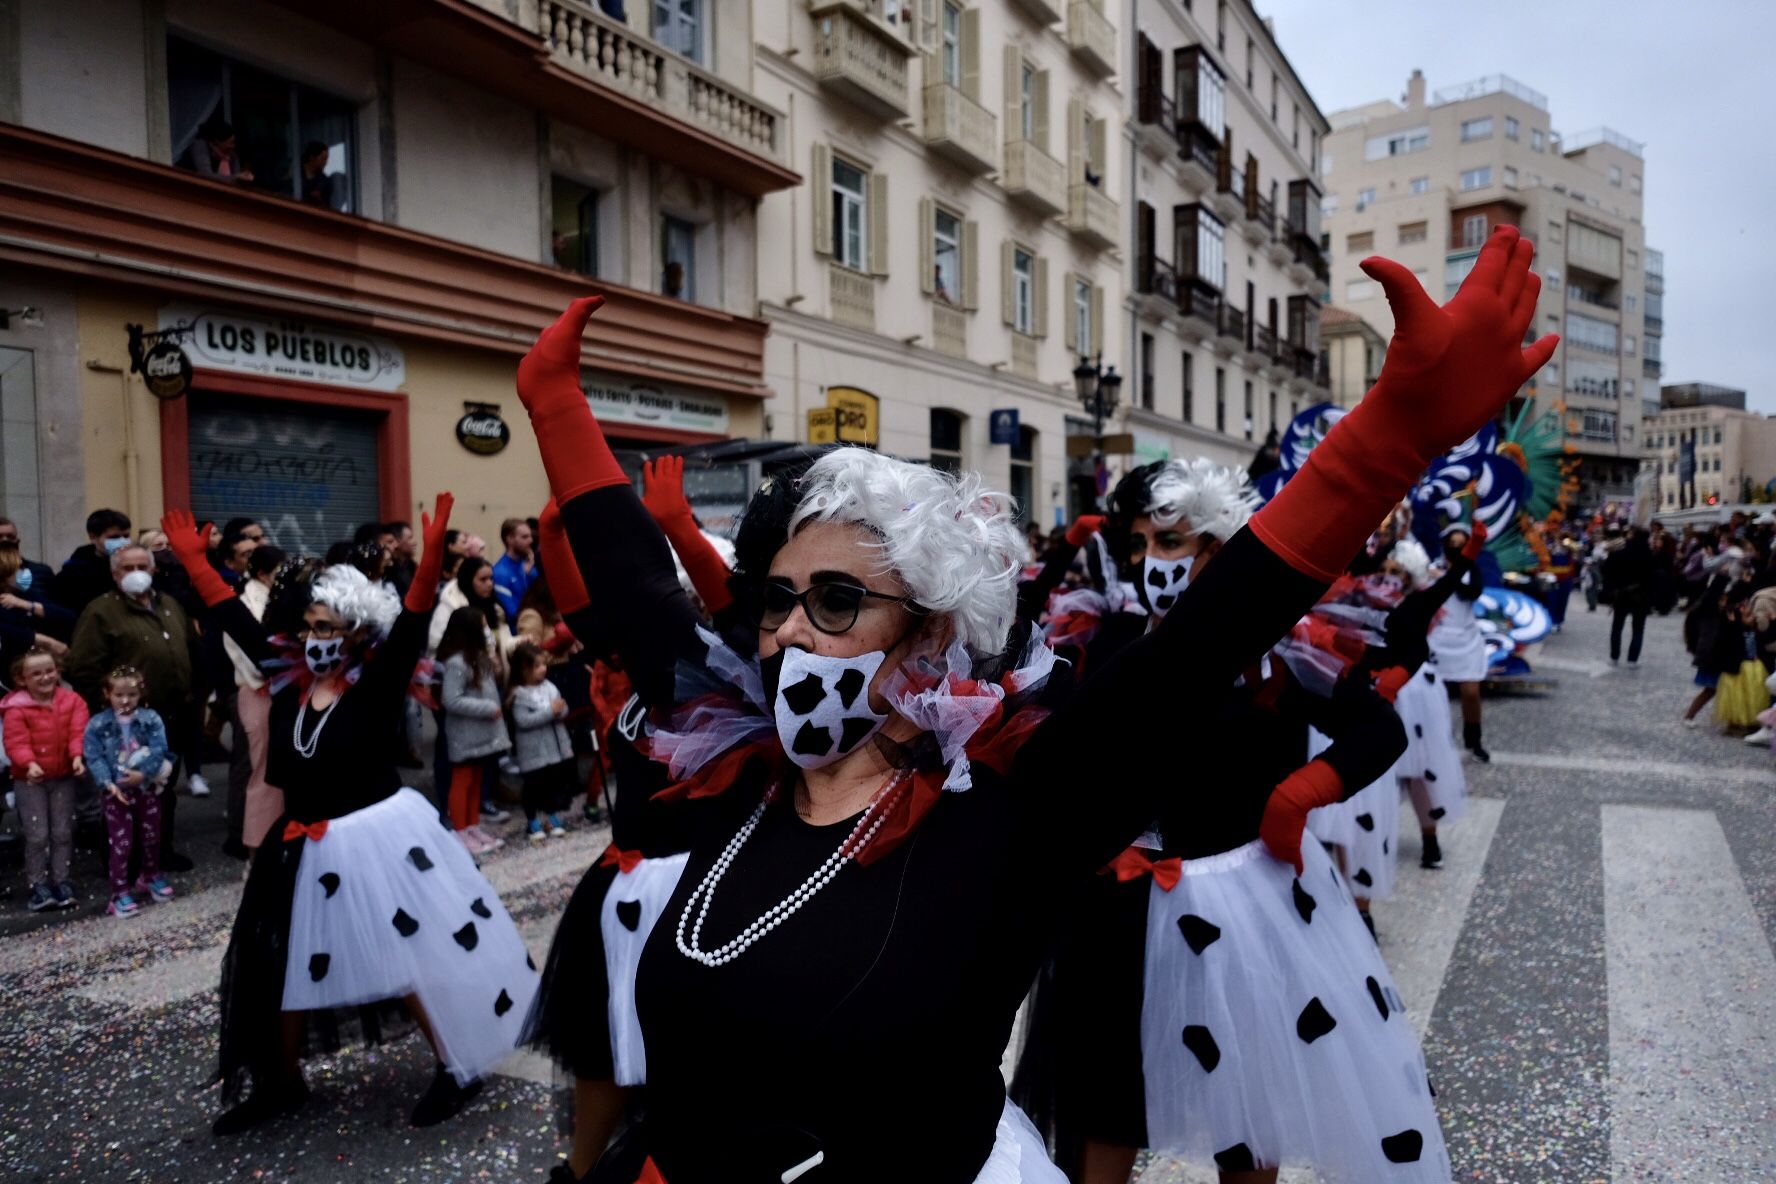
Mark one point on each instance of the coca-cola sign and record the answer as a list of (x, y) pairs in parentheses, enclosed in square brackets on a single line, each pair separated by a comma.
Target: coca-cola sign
[(166, 370), (482, 431)]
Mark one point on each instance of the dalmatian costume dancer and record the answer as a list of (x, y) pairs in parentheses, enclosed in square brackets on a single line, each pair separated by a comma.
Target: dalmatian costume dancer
[(584, 1014), (1458, 650), (880, 861), (362, 912), (1157, 1024)]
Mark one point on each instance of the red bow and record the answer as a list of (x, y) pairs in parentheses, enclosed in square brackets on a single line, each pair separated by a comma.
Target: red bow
[(1132, 864), (625, 861), (296, 830)]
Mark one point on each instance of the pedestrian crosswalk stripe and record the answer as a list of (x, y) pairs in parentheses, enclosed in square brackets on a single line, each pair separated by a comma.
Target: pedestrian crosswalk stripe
[(1639, 769), (1692, 1002)]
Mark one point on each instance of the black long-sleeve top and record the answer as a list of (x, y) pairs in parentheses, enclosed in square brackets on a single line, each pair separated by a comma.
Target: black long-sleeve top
[(353, 764), (871, 1023)]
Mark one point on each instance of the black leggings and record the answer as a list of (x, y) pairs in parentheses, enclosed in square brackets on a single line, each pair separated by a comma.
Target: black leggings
[(548, 790)]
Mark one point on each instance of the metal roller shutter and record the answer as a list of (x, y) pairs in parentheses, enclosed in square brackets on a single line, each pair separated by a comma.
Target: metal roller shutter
[(309, 476)]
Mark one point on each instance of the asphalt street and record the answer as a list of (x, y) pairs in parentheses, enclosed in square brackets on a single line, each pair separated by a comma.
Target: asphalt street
[(1592, 972)]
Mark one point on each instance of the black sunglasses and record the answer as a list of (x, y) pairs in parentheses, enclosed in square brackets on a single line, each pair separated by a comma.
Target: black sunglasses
[(830, 607)]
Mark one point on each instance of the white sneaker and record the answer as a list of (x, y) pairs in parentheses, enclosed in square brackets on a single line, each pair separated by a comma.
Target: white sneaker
[(1761, 736), (198, 786), (1694, 721), (469, 839)]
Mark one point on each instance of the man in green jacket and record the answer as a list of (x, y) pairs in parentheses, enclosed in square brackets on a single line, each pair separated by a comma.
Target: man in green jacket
[(133, 625)]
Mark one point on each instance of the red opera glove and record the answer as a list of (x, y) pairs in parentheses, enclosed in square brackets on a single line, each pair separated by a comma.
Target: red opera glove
[(1448, 371), (189, 543), (559, 566), (1476, 542), (1084, 527), (663, 495), (1390, 682), (575, 454), (1313, 785), (422, 593)]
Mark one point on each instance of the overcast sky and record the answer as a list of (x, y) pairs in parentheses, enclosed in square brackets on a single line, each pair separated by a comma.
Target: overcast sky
[(1695, 81)]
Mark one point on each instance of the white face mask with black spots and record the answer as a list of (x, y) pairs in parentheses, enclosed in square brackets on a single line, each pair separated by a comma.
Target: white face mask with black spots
[(822, 705), (324, 657), (1165, 581)]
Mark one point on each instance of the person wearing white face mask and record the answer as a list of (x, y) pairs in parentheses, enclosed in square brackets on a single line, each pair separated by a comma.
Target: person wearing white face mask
[(851, 937), (359, 912), (135, 625)]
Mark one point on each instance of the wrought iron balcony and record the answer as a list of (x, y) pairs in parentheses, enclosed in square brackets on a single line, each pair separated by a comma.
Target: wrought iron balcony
[(1156, 286), (1201, 153), (1199, 307), (1156, 120)]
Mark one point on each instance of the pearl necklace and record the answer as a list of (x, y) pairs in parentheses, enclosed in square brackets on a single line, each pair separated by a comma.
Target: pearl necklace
[(306, 748), (859, 838)]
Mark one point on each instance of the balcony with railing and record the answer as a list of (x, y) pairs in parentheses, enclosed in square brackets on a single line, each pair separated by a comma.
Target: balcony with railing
[(1034, 179), (1307, 263), (1229, 199), (1156, 120), (1043, 12), (1259, 218), (1230, 330), (1091, 216), (1156, 286), (858, 56), (1199, 153), (1264, 341), (1092, 37), (853, 297), (1199, 308), (959, 128), (1651, 368)]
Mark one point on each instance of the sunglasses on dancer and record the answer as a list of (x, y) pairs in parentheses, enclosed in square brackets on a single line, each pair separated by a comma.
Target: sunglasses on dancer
[(831, 605)]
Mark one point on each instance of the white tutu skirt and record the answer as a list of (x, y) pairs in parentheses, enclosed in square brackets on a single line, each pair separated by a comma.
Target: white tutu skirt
[(1018, 1156), (388, 903), (1365, 825), (631, 907), (1458, 652), (1431, 754), (1272, 1034)]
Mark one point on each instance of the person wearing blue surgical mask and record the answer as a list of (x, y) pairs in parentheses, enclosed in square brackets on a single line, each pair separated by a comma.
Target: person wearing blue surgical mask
[(86, 575)]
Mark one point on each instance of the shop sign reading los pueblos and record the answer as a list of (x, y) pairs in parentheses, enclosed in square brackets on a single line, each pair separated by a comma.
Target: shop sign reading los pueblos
[(220, 339)]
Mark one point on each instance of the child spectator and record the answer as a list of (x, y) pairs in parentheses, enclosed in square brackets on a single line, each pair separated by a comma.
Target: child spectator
[(474, 723), (126, 753), (545, 752), (44, 731)]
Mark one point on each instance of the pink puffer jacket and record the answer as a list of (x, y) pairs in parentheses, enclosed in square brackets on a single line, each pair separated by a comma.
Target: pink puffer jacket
[(51, 734)]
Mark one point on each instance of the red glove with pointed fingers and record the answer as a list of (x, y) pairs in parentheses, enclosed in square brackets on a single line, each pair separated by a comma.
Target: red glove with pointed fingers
[(422, 593), (563, 572), (663, 495), (189, 543), (1448, 371), (1084, 527)]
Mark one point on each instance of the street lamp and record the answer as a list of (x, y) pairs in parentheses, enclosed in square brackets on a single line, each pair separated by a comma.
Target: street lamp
[(1098, 387)]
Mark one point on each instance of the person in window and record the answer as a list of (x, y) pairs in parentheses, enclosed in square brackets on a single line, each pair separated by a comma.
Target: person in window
[(674, 279), (318, 184), (214, 154), (940, 289)]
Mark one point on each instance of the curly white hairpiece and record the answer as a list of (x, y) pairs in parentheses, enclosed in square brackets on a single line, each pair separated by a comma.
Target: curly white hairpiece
[(955, 543), (361, 604), (1216, 501), (1410, 554)]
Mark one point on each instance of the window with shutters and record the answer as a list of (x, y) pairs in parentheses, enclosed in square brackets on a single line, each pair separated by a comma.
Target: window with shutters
[(1220, 399), (678, 25), (1200, 245), (1027, 102), (1363, 243), (1413, 232), (1023, 291), (951, 54), (947, 256), (1147, 375), (1083, 342), (1249, 408), (850, 215)]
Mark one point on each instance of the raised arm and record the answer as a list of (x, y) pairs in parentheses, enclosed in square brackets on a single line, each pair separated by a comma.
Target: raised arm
[(188, 542), (1056, 561), (1448, 371), (615, 544), (663, 495), (391, 668)]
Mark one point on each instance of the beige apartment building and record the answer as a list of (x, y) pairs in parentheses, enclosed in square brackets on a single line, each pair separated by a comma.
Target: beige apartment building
[(954, 247), (1354, 353), (1705, 448), (1226, 275), (479, 166), (1425, 180)]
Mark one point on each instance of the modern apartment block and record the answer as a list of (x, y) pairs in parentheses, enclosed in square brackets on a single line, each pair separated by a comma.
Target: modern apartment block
[(1705, 448), (1226, 273), (403, 194), (953, 248), (1426, 180)]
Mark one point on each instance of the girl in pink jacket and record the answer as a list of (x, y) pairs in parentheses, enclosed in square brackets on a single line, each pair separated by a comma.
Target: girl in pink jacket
[(45, 732)]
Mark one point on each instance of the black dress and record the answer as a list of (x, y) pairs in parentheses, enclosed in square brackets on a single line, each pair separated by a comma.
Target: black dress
[(869, 1027)]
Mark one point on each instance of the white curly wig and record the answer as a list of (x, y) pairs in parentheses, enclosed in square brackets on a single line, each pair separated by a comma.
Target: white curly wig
[(359, 603), (1216, 501), (956, 544), (1410, 554)]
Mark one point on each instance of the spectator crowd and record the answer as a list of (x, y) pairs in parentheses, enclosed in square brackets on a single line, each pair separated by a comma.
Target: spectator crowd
[(113, 695)]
